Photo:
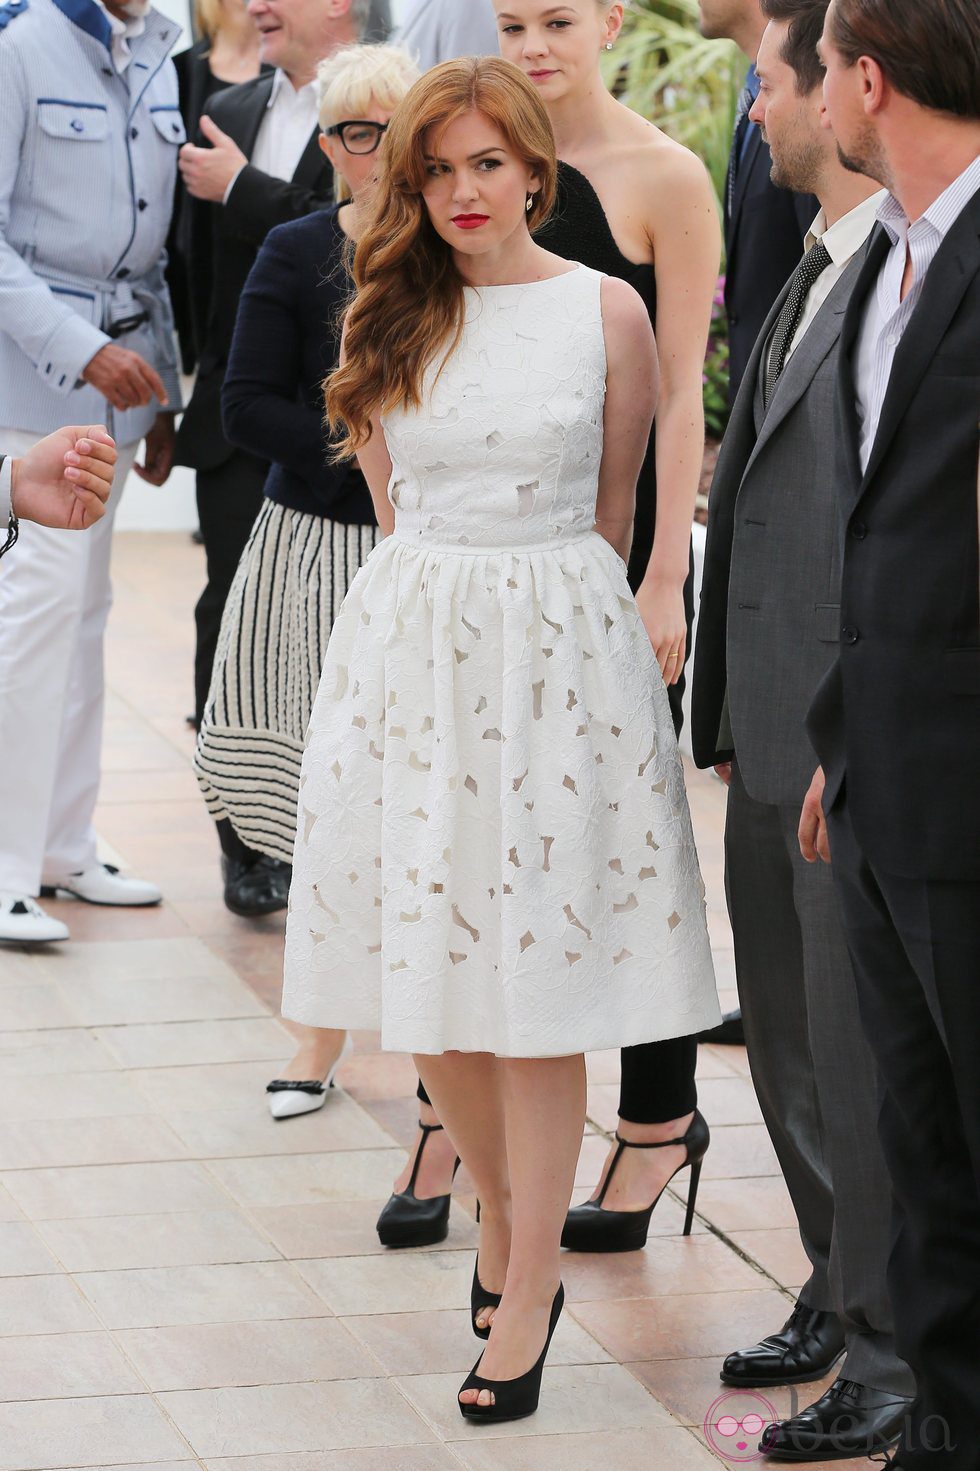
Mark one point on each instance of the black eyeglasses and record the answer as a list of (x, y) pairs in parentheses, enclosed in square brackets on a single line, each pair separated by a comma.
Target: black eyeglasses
[(358, 136)]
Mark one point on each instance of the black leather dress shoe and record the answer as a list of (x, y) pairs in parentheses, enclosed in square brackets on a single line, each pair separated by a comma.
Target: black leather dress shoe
[(259, 887), (849, 1420), (806, 1347), (728, 1032)]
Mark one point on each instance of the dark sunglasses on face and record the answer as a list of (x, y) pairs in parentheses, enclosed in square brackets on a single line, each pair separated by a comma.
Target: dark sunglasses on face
[(358, 136)]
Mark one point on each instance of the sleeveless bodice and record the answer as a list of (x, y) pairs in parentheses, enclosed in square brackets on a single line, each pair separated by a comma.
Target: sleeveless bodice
[(506, 449)]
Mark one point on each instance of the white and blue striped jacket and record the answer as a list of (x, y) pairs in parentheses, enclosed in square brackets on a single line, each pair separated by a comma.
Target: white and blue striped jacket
[(87, 171)]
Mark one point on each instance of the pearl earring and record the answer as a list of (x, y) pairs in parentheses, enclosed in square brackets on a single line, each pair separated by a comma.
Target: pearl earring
[(609, 45)]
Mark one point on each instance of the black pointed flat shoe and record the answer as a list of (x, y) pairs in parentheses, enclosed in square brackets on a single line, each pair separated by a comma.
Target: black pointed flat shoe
[(407, 1221), (590, 1227), (514, 1399)]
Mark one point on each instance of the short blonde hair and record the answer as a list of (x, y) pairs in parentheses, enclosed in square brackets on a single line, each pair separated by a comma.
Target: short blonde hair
[(354, 77)]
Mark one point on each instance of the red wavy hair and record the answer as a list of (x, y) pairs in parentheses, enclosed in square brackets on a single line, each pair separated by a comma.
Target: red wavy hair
[(409, 293)]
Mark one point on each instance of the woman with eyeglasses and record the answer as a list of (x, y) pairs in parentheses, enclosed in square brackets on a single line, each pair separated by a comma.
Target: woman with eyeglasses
[(316, 525)]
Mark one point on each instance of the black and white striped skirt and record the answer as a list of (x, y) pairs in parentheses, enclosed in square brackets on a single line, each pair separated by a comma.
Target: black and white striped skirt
[(293, 577)]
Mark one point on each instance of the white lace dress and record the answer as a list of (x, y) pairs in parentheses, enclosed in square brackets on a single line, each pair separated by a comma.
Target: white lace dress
[(494, 850)]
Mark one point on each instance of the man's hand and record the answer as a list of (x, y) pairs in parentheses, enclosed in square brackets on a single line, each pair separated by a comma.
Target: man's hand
[(124, 378), (65, 479), (158, 456), (207, 172), (661, 606), (724, 770), (814, 842)]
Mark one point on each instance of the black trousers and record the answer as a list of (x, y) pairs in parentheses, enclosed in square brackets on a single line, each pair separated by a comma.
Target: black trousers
[(915, 948), (656, 1078), (228, 501)]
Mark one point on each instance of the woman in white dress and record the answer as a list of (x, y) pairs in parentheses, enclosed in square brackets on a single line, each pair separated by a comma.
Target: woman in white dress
[(494, 850)]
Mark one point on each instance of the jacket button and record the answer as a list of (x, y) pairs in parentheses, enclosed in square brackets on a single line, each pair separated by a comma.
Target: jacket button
[(849, 635), (859, 531), (134, 132), (122, 273), (141, 205)]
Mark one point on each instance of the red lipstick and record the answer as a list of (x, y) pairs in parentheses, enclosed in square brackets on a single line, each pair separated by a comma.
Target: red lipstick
[(470, 222)]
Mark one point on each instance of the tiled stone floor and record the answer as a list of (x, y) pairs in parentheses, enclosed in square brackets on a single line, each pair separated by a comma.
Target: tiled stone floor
[(184, 1283)]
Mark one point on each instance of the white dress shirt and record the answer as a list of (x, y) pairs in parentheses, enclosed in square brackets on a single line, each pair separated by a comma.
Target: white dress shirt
[(842, 240), (887, 315), (284, 132), (122, 30)]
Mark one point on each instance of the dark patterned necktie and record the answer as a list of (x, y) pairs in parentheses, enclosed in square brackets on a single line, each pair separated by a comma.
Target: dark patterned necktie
[(745, 101), (813, 264)]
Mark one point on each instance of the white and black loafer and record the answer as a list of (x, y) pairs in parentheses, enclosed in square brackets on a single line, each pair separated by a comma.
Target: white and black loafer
[(289, 1099), (103, 884), (24, 922)]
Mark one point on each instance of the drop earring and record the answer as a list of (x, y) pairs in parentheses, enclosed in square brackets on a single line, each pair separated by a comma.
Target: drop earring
[(529, 204)]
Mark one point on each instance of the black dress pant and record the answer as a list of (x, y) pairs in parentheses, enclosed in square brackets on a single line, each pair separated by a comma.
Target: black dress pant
[(228, 501), (915, 947), (656, 1078)]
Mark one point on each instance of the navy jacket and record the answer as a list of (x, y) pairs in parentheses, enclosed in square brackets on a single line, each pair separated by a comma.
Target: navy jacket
[(287, 338)]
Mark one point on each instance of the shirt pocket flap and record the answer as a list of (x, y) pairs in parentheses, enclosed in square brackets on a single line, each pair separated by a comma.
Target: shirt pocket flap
[(169, 124), (84, 122), (826, 622)]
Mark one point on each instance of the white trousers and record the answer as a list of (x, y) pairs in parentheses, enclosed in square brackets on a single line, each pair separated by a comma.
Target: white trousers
[(55, 596)]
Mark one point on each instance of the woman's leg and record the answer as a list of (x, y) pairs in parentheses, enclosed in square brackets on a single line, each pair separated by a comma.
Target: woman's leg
[(518, 1124), (317, 1048), (657, 1099)]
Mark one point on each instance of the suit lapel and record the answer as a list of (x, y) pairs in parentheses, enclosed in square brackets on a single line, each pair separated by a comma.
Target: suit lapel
[(954, 266), (846, 379), (313, 163), (244, 111), (820, 338), (743, 173)]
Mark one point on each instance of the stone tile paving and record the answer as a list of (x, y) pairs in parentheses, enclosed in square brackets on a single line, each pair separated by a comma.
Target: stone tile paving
[(185, 1284)]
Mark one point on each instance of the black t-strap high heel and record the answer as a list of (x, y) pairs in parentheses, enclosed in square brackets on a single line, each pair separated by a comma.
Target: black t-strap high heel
[(407, 1221), (589, 1227)]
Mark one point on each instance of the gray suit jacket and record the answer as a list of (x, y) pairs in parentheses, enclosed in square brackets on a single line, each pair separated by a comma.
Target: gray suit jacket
[(770, 620)]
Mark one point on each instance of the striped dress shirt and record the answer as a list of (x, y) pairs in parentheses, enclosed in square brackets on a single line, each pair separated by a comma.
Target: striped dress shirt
[(887, 315)]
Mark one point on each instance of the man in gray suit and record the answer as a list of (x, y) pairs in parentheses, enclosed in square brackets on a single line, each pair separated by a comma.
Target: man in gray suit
[(768, 631)]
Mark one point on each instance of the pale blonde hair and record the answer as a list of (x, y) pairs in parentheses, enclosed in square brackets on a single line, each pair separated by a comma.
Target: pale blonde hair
[(207, 17), (355, 77)]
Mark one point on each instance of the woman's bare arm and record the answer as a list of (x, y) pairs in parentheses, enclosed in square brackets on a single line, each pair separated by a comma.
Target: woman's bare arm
[(631, 399)]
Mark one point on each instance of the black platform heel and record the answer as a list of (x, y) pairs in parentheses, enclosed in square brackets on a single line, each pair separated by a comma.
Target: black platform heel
[(407, 1221), (590, 1228), (514, 1399)]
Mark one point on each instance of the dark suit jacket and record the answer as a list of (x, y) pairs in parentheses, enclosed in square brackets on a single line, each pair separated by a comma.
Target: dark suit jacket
[(287, 339), (898, 716), (770, 619), (763, 245), (225, 241)]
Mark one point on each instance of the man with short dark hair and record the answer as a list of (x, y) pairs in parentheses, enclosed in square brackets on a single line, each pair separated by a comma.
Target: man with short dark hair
[(765, 640), (896, 722)]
